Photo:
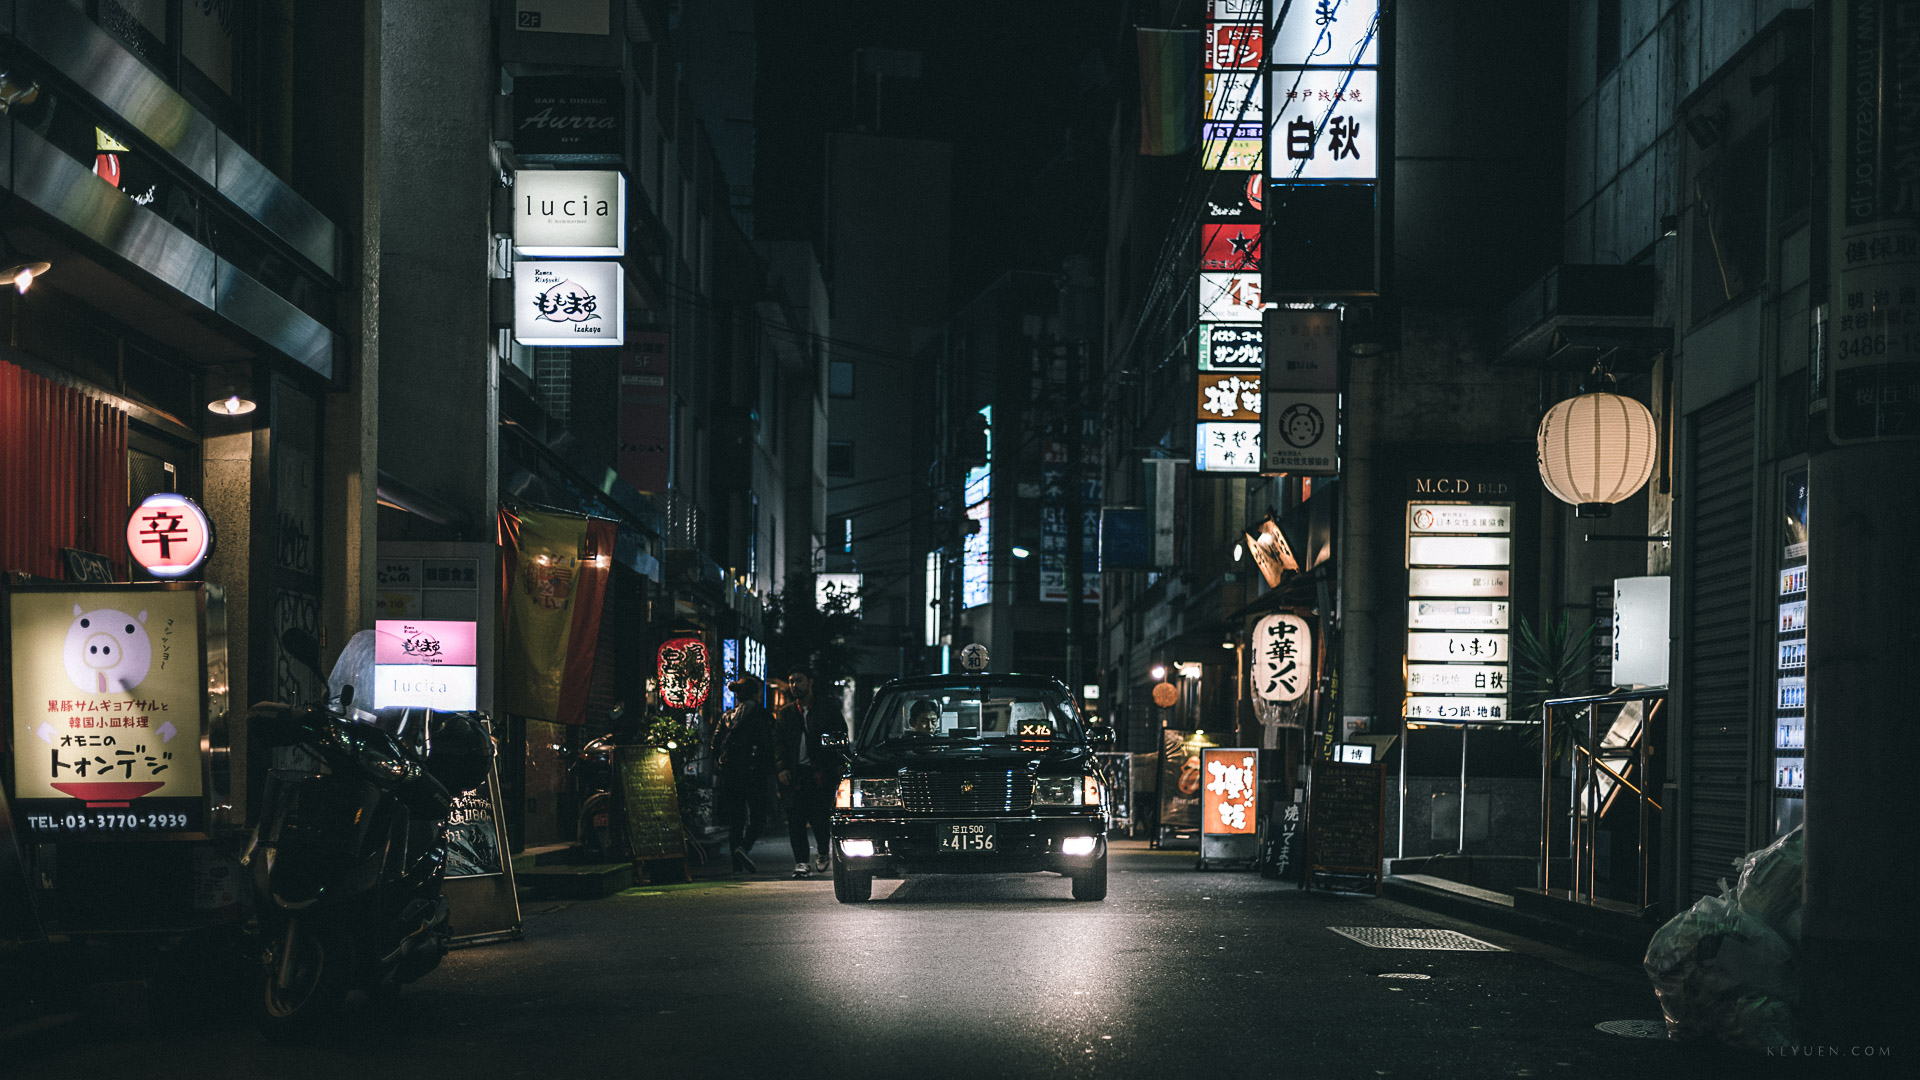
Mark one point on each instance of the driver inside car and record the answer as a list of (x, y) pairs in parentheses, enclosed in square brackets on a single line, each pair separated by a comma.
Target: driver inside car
[(923, 718)]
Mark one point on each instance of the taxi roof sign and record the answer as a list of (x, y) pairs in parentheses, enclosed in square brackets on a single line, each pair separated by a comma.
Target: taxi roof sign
[(974, 657)]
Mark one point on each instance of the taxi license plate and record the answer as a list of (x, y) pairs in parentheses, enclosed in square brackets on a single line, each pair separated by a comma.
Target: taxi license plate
[(962, 839)]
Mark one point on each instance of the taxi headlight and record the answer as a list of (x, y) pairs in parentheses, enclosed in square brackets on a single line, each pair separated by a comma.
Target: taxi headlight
[(876, 793), (1078, 845), (1058, 791)]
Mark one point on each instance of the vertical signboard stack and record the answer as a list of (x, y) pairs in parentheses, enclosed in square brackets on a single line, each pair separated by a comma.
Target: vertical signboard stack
[(1231, 341), (1459, 578)]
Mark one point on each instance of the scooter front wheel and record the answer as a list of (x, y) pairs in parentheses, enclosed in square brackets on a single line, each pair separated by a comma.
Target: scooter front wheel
[(305, 979)]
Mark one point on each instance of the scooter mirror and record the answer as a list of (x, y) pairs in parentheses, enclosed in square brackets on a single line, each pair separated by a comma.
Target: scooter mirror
[(301, 645)]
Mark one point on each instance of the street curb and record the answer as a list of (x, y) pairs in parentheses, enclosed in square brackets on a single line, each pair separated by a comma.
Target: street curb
[(1526, 924)]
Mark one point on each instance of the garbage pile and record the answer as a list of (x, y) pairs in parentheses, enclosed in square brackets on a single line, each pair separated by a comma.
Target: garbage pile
[(1724, 968)]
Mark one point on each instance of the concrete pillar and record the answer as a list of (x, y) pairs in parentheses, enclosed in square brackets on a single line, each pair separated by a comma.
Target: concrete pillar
[(438, 395), (1859, 936)]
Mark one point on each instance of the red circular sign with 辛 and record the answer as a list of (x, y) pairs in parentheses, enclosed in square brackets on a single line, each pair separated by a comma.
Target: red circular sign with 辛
[(169, 535)]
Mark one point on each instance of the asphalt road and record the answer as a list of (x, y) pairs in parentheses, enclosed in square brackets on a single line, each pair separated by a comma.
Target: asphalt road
[(1176, 974)]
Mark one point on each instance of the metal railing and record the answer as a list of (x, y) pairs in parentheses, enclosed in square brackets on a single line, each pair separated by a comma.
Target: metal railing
[(1609, 741)]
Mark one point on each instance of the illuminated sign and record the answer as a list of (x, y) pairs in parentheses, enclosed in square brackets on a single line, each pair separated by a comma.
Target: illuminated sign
[(1457, 678), (1642, 623), (426, 664), (976, 557), (1486, 709), (574, 304), (1232, 147), (1235, 45), (842, 590), (1234, 197), (169, 535), (1459, 551), (1228, 297), (109, 691), (1281, 658), (1457, 614), (1228, 447), (1355, 754), (1301, 432), (1229, 803), (1229, 396), (579, 213), (1468, 647), (1230, 247), (1324, 125), (1424, 581), (1233, 98), (729, 671), (753, 658), (1457, 651), (1449, 518), (1338, 32), (1305, 349), (685, 672), (1231, 347)]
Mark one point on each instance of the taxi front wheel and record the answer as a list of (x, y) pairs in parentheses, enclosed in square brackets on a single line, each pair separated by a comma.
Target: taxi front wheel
[(1091, 883), (850, 887)]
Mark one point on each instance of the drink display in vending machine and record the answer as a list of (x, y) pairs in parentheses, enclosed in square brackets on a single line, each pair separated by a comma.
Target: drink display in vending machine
[(1790, 679)]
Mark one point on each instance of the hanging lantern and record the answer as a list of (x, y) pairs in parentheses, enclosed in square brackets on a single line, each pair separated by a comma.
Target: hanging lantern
[(1596, 449)]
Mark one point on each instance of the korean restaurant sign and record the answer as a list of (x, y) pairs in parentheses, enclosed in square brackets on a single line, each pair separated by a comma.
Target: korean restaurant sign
[(169, 535), (574, 304), (109, 705), (1229, 803), (430, 664), (1325, 125), (1281, 658), (571, 213)]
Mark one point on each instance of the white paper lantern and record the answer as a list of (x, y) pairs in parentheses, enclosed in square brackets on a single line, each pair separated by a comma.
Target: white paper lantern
[(1595, 450)]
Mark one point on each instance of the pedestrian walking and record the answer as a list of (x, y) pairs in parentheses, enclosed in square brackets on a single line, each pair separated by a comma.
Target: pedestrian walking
[(808, 773), (743, 760)]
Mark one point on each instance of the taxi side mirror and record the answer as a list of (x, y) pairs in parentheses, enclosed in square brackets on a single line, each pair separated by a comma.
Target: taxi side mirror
[(833, 740), (1100, 734)]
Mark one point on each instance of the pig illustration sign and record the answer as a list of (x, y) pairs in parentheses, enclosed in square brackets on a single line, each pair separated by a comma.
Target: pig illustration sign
[(109, 699)]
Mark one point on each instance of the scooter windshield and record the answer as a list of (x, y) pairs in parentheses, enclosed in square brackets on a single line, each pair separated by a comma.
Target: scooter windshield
[(355, 669)]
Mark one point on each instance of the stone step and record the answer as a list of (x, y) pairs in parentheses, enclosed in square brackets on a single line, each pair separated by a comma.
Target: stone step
[(588, 881)]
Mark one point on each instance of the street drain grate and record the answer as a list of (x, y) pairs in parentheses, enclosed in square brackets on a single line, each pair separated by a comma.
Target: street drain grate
[(1398, 937), (1404, 975), (1634, 1029)]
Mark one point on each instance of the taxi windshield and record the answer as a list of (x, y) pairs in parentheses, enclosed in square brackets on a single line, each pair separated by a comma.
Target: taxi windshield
[(969, 714)]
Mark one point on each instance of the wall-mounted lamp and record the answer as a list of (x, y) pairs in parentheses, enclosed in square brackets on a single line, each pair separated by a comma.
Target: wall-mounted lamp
[(1020, 552), (231, 405), (22, 276), (1159, 672)]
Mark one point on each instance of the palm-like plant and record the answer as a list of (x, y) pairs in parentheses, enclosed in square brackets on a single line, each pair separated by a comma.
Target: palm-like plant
[(1552, 662)]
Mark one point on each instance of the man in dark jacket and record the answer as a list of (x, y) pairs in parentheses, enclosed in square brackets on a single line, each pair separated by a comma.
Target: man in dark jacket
[(808, 772), (743, 756)]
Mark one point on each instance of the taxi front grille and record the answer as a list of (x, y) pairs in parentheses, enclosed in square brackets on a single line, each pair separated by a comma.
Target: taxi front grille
[(967, 793)]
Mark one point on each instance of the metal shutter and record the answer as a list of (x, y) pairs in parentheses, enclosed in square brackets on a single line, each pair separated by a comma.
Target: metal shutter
[(1717, 725)]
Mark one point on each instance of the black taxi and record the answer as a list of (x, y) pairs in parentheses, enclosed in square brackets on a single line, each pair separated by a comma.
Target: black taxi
[(971, 773)]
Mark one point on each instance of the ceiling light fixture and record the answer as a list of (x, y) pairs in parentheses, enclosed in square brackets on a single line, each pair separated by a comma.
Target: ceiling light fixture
[(231, 405), (22, 276)]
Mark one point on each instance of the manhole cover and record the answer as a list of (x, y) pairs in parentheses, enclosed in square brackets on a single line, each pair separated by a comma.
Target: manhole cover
[(1398, 937), (1404, 975), (1634, 1029)]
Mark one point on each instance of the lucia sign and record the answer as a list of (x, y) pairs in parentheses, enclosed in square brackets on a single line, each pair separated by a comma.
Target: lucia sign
[(575, 213), (573, 304)]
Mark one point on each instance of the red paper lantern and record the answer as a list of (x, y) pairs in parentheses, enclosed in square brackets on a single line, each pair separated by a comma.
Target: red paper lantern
[(686, 674)]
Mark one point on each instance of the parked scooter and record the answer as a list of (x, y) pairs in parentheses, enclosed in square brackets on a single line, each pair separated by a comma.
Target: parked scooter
[(350, 848)]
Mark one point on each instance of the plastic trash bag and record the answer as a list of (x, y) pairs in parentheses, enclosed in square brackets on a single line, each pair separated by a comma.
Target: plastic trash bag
[(1724, 968), (1769, 885)]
